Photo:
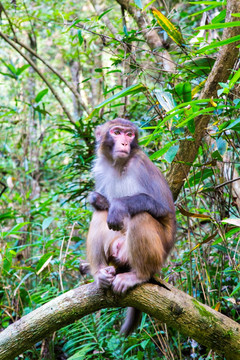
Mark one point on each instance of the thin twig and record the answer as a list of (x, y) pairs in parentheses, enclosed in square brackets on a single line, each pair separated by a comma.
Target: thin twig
[(12, 44), (226, 183)]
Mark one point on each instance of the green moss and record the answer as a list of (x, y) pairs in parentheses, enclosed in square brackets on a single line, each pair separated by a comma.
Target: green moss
[(203, 312)]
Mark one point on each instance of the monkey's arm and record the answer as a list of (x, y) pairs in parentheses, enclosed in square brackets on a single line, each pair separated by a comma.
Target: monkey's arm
[(133, 205), (98, 201)]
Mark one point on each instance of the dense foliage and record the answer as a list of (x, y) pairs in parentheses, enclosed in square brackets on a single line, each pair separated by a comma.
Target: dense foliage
[(67, 66)]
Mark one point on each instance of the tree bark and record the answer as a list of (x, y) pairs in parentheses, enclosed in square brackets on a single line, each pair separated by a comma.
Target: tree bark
[(150, 35), (171, 306), (221, 70)]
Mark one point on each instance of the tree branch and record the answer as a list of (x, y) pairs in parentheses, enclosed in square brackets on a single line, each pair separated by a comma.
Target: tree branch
[(171, 306), (221, 70), (33, 65), (150, 35), (62, 78)]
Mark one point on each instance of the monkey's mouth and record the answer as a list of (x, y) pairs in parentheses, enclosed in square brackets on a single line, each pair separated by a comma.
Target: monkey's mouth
[(122, 153)]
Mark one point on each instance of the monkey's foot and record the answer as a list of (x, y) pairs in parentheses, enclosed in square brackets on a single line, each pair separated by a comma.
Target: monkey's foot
[(125, 281)]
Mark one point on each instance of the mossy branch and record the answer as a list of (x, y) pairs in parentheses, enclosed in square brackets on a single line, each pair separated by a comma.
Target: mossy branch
[(162, 301)]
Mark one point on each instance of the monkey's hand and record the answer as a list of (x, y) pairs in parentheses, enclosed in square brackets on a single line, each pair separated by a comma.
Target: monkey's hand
[(116, 214), (105, 277), (98, 201)]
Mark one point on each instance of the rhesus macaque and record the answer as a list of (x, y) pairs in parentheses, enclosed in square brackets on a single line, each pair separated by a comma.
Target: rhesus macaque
[(133, 226)]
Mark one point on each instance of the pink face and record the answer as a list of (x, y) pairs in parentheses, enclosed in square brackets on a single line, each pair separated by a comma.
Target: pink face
[(123, 138), (119, 250)]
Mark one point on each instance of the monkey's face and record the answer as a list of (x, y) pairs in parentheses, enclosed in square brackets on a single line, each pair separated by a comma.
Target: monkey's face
[(122, 138), (118, 251)]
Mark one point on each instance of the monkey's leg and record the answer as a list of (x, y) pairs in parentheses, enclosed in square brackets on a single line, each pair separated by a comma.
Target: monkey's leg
[(146, 247), (98, 242)]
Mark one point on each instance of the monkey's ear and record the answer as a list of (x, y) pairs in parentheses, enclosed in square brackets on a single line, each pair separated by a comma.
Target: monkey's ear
[(98, 133)]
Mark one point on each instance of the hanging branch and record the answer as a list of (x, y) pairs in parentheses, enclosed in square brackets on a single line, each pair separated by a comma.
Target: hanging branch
[(12, 44), (68, 84)]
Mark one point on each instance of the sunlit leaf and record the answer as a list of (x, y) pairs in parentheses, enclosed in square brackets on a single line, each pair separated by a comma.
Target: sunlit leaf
[(80, 38), (40, 95), (221, 145), (171, 153), (219, 25), (234, 79), (170, 29), (46, 222), (43, 263), (236, 290), (131, 90), (235, 222), (219, 43), (138, 3)]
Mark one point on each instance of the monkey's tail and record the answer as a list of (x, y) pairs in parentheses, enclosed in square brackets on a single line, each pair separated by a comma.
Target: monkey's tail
[(132, 320)]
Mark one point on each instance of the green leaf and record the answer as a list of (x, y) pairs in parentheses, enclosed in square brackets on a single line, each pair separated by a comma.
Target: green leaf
[(46, 222), (209, 2), (15, 229), (187, 92), (199, 66), (150, 3), (104, 13), (44, 260), (171, 153), (198, 178), (7, 261), (219, 43), (40, 95), (170, 29), (219, 25), (236, 290), (131, 90), (138, 3), (220, 17), (22, 68), (80, 38), (233, 124), (221, 145), (162, 151), (165, 99), (208, 8), (234, 79), (205, 111), (216, 155)]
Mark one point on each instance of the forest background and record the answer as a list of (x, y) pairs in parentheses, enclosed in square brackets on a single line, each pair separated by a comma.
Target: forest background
[(67, 66)]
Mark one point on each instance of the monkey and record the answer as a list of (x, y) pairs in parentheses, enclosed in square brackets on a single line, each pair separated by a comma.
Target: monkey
[(133, 225)]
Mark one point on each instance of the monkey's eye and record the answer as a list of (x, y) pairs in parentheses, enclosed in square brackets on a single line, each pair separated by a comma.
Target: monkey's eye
[(116, 132), (130, 134)]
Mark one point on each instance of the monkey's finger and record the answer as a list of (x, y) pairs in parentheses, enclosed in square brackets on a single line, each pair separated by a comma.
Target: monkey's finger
[(119, 287)]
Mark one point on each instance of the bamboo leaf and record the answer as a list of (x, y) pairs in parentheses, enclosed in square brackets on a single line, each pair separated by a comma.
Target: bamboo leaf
[(234, 79), (46, 222), (80, 38), (40, 95), (219, 43), (219, 25), (170, 29), (131, 90), (138, 3)]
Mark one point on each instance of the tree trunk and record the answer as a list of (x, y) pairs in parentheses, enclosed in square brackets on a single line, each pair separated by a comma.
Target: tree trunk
[(221, 70)]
